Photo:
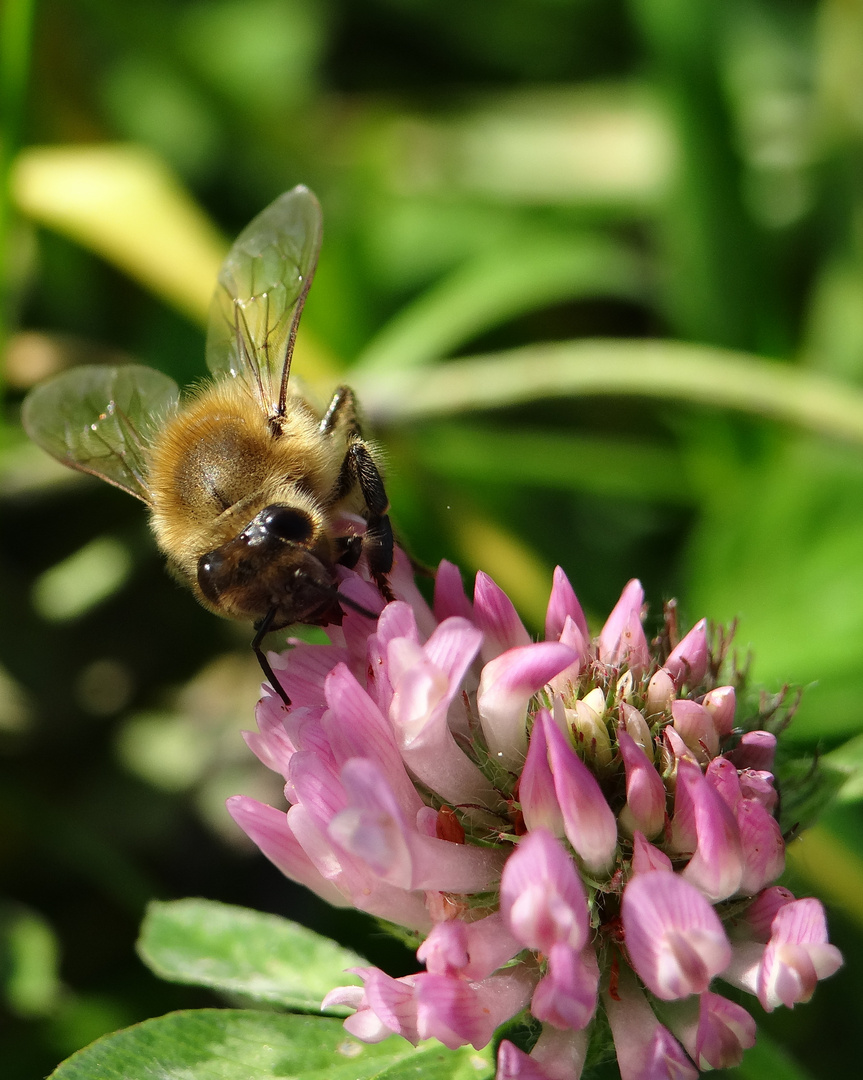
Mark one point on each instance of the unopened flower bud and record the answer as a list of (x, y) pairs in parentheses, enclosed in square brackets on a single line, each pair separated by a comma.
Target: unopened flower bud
[(687, 664), (637, 728), (624, 688), (695, 726), (660, 693), (756, 750), (721, 703), (645, 793), (591, 733)]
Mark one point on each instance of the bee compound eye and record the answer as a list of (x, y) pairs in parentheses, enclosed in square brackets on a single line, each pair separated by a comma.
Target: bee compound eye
[(209, 567), (287, 523)]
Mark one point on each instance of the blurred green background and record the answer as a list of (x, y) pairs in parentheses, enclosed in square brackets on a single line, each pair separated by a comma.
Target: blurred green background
[(596, 270)]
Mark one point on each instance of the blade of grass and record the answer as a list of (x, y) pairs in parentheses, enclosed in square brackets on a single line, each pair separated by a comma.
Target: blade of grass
[(16, 35), (699, 375), (501, 285)]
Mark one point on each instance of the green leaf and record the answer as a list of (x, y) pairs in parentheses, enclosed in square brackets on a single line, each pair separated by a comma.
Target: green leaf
[(233, 1044), (240, 951)]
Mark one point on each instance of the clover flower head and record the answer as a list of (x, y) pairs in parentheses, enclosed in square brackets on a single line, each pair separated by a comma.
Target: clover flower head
[(570, 826)]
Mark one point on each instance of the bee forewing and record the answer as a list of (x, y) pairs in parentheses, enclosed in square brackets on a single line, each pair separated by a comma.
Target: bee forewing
[(101, 419), (262, 286)]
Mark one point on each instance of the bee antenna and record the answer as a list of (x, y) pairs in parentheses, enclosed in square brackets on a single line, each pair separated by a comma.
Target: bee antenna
[(262, 628)]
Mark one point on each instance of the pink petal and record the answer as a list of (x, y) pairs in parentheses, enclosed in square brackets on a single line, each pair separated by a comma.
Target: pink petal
[(536, 793), (557, 1055), (722, 776), (645, 791), (797, 955), (371, 827), (515, 1064), (402, 581), (646, 857), (758, 784), (721, 704), (622, 638), (397, 621), (356, 728), (449, 594), (687, 663), (472, 951), (271, 743), (589, 822), (756, 750), (674, 938), (725, 1030), (541, 895), (269, 830), (507, 684), (317, 785), (393, 1001), (303, 669), (364, 1024), (762, 911), (566, 995), (457, 1013), (452, 648), (496, 616), (762, 844), (571, 635), (561, 1053), (716, 868), (645, 1049), (562, 605), (419, 714), (366, 891), (695, 726)]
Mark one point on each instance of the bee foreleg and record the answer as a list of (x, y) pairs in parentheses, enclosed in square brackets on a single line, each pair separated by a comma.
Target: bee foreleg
[(359, 469), (352, 548)]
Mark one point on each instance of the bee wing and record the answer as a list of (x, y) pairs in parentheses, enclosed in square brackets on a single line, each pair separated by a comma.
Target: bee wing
[(101, 420), (262, 287)]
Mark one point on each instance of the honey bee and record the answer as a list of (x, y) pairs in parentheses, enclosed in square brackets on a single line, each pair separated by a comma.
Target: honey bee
[(248, 485)]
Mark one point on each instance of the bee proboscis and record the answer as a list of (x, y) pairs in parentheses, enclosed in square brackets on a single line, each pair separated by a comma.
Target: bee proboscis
[(250, 488)]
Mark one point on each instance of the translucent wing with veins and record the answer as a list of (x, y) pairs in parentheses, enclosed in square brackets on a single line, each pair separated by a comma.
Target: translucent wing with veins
[(262, 287), (101, 419)]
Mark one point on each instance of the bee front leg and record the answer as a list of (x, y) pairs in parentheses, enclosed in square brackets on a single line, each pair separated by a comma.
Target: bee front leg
[(360, 470)]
